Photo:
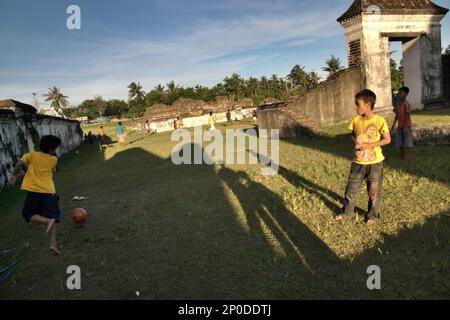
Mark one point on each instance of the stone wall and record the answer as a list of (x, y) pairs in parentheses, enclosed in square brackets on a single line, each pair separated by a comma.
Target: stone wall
[(21, 129), (436, 134), (167, 124), (188, 108), (330, 103), (446, 72), (333, 101), (291, 122)]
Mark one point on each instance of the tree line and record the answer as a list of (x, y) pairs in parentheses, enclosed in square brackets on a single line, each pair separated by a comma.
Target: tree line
[(235, 87)]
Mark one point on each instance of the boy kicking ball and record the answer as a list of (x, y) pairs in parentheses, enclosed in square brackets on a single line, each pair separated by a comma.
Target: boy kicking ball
[(41, 204), (370, 133)]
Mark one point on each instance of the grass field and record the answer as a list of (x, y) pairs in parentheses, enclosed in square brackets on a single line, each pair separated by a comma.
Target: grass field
[(226, 232)]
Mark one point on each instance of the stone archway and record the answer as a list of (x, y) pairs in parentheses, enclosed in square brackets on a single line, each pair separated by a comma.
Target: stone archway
[(371, 25)]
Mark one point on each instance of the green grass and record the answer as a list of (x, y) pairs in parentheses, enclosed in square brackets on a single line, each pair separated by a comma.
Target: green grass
[(218, 232)]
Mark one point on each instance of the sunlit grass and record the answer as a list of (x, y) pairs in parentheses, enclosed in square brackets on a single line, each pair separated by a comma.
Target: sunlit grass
[(228, 232)]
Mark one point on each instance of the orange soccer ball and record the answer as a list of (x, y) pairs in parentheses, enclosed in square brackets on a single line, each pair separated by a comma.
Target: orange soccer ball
[(78, 215)]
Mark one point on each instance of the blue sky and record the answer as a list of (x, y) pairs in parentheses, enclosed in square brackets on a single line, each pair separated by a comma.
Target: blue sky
[(156, 41)]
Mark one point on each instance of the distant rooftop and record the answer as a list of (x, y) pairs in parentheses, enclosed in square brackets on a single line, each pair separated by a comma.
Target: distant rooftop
[(12, 105), (393, 7)]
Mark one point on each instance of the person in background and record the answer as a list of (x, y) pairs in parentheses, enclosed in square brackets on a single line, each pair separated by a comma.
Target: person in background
[(90, 137), (404, 139), (229, 116), (153, 127), (101, 133), (211, 122), (178, 124), (120, 130)]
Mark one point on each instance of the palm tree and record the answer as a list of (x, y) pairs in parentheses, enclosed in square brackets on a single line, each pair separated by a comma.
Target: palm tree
[(313, 80), (57, 98), (276, 84), (234, 85), (264, 85), (299, 77), (252, 86), (333, 65), (135, 91), (171, 87)]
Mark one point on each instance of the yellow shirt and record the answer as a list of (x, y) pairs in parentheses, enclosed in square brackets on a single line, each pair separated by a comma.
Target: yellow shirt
[(368, 131), (211, 120), (39, 176)]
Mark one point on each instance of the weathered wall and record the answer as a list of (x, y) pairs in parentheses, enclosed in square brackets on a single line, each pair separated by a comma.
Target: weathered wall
[(20, 133), (332, 102), (369, 36), (446, 71), (190, 122), (291, 122)]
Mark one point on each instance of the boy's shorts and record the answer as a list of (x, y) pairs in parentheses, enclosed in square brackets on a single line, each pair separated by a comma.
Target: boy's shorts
[(43, 204), (404, 140)]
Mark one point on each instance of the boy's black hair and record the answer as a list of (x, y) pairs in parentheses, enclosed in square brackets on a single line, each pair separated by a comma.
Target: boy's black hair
[(210, 113), (404, 89), (48, 143), (120, 123), (368, 96)]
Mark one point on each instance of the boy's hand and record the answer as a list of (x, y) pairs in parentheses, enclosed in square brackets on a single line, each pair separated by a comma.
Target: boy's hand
[(362, 146), (12, 180)]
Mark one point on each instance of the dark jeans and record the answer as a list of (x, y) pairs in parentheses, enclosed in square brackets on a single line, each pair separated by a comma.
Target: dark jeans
[(373, 174)]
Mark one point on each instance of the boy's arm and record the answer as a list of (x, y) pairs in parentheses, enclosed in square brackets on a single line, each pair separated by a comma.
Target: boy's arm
[(13, 177), (395, 122), (408, 115)]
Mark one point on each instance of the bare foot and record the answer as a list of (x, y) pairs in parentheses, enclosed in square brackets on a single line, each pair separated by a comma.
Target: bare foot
[(55, 251), (339, 217), (371, 222)]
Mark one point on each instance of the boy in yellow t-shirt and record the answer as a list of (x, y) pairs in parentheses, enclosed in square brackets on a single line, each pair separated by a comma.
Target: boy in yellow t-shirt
[(370, 133), (41, 204)]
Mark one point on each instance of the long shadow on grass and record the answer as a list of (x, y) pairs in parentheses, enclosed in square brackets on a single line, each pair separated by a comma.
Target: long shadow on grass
[(183, 238), (176, 233), (195, 241)]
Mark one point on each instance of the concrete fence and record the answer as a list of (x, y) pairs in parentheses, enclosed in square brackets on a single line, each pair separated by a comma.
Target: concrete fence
[(21, 129), (191, 122)]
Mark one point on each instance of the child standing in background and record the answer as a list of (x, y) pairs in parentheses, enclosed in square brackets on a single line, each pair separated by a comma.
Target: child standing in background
[(120, 133), (404, 139), (211, 122)]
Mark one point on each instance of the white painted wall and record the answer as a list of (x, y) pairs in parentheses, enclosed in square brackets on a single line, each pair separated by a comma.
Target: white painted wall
[(413, 72)]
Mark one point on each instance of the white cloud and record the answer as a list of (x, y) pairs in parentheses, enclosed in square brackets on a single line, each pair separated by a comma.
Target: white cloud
[(204, 55)]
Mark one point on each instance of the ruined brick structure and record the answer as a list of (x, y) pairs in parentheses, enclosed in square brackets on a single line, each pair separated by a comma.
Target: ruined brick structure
[(369, 27), (194, 108), (21, 129)]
